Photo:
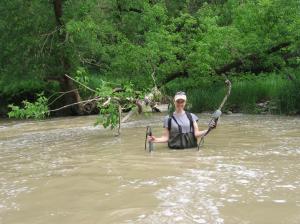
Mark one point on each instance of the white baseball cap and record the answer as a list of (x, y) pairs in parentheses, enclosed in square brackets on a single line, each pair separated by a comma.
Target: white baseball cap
[(180, 96)]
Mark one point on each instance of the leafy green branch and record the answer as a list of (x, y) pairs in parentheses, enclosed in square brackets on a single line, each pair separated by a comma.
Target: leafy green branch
[(37, 110)]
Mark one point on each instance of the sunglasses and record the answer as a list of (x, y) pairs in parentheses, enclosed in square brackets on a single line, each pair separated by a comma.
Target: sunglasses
[(180, 93)]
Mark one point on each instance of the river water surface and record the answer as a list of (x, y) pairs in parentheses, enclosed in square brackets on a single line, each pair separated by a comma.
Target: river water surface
[(67, 171)]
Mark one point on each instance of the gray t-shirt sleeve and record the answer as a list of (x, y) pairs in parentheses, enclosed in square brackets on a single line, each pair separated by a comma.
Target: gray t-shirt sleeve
[(194, 117), (166, 119)]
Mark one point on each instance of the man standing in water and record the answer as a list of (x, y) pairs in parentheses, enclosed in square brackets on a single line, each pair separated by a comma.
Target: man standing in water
[(181, 129)]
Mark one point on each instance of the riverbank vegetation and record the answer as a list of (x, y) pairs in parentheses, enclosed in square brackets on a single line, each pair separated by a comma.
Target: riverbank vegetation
[(270, 94), (174, 45)]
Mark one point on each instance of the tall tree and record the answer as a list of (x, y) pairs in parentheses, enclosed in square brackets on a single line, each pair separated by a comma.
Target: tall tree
[(72, 94)]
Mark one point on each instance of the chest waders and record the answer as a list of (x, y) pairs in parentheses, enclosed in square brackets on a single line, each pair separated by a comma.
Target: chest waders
[(179, 140)]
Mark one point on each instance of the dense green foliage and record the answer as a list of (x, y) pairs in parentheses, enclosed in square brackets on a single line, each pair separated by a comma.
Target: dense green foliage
[(184, 44)]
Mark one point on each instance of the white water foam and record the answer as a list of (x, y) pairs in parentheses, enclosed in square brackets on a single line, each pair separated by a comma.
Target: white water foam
[(197, 195), (188, 200)]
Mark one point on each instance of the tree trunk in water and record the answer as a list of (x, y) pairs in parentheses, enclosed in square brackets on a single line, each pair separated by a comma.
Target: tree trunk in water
[(66, 84)]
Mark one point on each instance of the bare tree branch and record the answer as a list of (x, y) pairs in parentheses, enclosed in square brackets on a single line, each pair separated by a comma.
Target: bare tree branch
[(81, 84), (62, 94), (72, 104)]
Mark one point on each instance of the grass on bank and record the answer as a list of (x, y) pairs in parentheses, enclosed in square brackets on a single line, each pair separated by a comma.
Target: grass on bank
[(272, 94)]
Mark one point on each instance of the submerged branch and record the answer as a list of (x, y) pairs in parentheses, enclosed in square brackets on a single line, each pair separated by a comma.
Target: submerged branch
[(120, 115)]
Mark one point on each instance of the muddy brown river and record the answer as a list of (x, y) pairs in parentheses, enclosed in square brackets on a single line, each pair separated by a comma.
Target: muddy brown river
[(67, 171)]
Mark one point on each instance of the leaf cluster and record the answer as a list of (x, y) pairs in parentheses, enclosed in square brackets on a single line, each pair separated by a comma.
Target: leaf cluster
[(36, 110)]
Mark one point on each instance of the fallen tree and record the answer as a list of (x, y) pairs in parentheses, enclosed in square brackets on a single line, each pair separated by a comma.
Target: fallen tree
[(111, 102)]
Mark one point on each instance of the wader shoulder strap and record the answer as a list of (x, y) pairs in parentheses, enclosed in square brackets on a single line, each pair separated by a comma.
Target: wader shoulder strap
[(179, 127), (169, 123), (189, 116)]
